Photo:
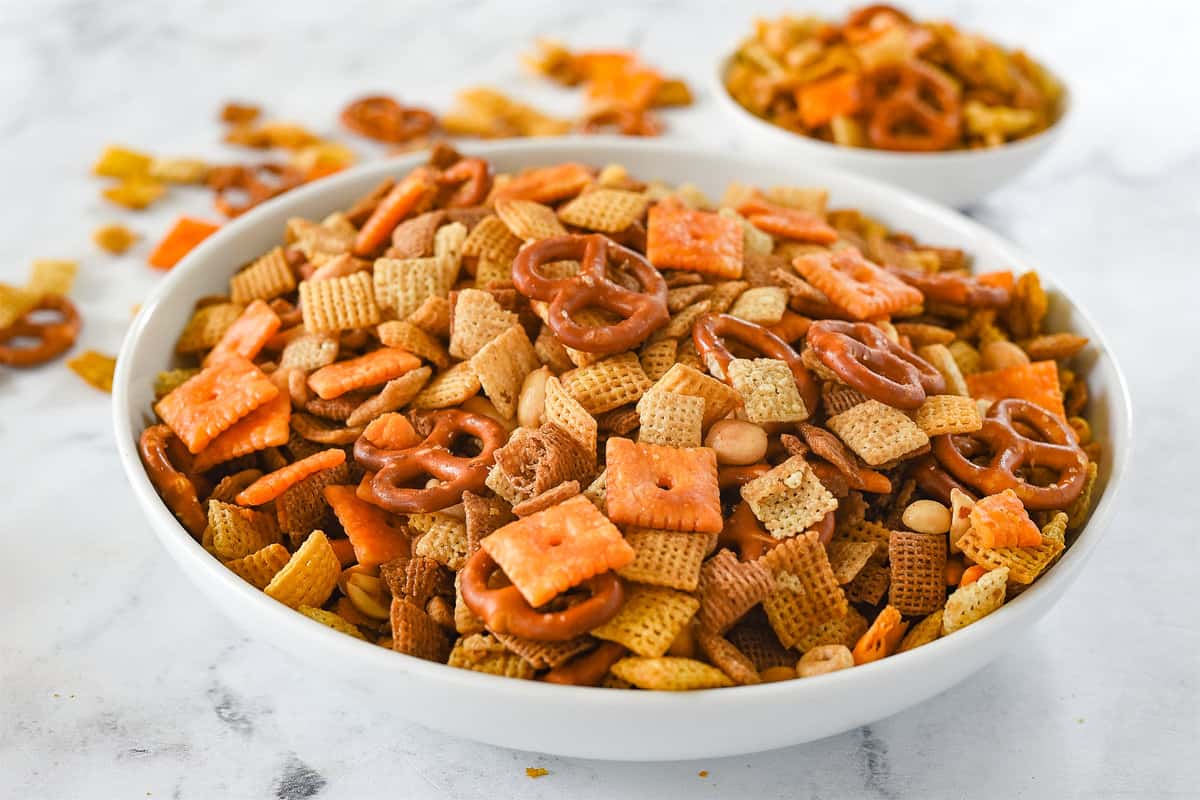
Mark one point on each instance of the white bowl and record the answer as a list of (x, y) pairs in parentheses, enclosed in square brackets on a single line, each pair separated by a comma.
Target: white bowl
[(588, 722), (956, 178)]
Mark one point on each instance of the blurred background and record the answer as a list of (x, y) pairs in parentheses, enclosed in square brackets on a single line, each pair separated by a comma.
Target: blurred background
[(117, 680)]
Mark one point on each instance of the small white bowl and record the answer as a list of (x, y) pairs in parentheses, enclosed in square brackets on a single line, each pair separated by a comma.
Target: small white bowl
[(588, 722), (956, 178)]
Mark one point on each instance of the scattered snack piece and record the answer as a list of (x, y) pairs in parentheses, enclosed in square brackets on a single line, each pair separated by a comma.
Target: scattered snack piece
[(95, 368), (181, 239)]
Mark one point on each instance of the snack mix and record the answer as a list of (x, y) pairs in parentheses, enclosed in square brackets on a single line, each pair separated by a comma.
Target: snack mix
[(882, 80), (567, 425)]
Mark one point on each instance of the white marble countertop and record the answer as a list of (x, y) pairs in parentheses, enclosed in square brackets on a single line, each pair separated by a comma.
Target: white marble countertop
[(117, 680)]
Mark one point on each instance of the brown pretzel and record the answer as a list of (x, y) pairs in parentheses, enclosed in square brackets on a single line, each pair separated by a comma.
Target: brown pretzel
[(954, 288), (916, 108), (175, 488), (825, 528), (735, 477), (744, 534), (1007, 434), (381, 118), (505, 610), (469, 180), (588, 669), (51, 339), (711, 328), (866, 359), (628, 121), (396, 471), (642, 312), (935, 481), (255, 183)]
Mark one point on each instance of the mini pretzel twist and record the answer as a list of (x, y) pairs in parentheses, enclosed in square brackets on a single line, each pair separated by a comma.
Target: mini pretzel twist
[(916, 108), (954, 288), (469, 181), (709, 330), (1011, 449), (505, 610), (642, 312), (175, 488), (935, 481), (52, 339), (256, 183), (867, 360), (397, 470), (381, 118)]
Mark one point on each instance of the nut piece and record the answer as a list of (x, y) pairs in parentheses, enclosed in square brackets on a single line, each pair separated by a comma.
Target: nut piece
[(926, 516), (823, 659), (737, 442), (532, 401), (1000, 354)]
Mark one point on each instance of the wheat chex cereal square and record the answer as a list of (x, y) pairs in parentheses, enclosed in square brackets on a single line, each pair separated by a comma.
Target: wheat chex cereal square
[(729, 588), (918, 572), (1024, 564)]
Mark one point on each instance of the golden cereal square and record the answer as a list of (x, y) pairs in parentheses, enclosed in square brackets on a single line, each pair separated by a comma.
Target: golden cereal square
[(948, 413), (719, 398), (877, 433), (768, 390), (650, 619), (666, 558), (402, 285), (604, 210), (270, 276), (789, 499), (613, 382), (339, 304), (670, 419), (762, 305)]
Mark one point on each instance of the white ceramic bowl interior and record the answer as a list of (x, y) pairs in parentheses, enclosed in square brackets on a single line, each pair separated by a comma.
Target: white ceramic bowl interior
[(588, 722), (956, 178)]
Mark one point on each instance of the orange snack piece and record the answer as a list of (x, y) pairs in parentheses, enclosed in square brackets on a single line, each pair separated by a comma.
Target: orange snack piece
[(681, 238), (205, 405), (790, 223), (882, 638), (1036, 382), (972, 574), (344, 550), (376, 367), (852, 283), (373, 534), (631, 86), (185, 234), (407, 196), (1001, 279), (273, 484), (1000, 520), (547, 553), (391, 431), (265, 426), (669, 488), (821, 101), (248, 334), (547, 184)]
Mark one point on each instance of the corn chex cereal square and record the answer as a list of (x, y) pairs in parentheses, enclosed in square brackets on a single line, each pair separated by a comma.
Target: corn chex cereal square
[(502, 365), (613, 382), (206, 327), (310, 575), (309, 352), (975, 601), (807, 592), (476, 319), (481, 652), (403, 334), (669, 674), (918, 572), (847, 558), (948, 413), (666, 558), (449, 388), (768, 390), (845, 631), (604, 210), (443, 538), (719, 398), (491, 239), (789, 498), (564, 411), (649, 620), (924, 632), (402, 285), (670, 419), (259, 567), (268, 277), (339, 304), (1024, 564), (528, 220), (658, 357), (672, 488), (877, 433)]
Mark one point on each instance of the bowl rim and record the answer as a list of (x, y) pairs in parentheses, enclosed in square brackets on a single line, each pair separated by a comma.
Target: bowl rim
[(203, 567), (1032, 143)]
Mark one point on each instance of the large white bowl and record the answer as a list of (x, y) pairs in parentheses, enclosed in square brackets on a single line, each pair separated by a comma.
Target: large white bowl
[(587, 722), (957, 178)]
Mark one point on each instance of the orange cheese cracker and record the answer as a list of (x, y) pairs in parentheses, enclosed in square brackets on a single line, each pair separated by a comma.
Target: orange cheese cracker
[(213, 400), (273, 484), (1036, 382), (376, 367), (699, 241)]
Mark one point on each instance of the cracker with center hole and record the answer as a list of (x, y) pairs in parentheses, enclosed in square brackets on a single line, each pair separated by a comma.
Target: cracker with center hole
[(975, 601), (443, 538), (922, 633), (206, 327), (847, 558), (394, 395), (416, 634), (918, 572), (670, 419), (762, 305), (807, 592), (948, 413), (309, 352), (877, 433), (729, 588), (768, 390), (528, 220), (649, 620), (339, 304), (564, 411), (502, 365), (859, 287), (450, 388), (270, 276), (788, 499), (870, 584), (658, 357), (259, 567), (607, 384), (1037, 382), (666, 558), (1024, 564), (669, 674), (719, 398), (573, 536), (697, 241), (477, 319), (407, 336), (545, 655), (672, 488), (491, 239), (402, 285), (604, 210), (535, 461), (310, 575)]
